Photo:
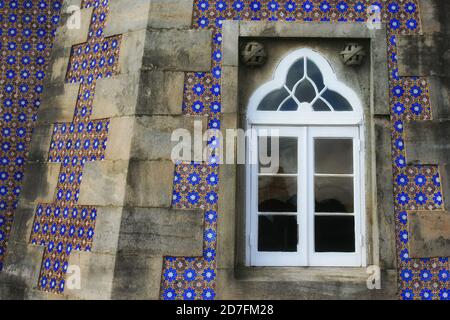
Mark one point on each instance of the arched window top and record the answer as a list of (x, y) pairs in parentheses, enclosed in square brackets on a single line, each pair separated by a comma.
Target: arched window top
[(305, 90)]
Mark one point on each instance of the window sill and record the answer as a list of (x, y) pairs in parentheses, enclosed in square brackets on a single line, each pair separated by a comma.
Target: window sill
[(304, 283), (303, 274)]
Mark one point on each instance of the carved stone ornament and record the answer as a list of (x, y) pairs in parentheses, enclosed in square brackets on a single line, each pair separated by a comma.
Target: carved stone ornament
[(253, 54), (353, 54)]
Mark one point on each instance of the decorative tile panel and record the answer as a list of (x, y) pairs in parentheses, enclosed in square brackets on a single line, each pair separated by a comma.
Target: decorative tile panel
[(415, 187), (27, 30), (64, 226)]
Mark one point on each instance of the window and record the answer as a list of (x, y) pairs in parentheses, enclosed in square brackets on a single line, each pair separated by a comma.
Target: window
[(304, 185)]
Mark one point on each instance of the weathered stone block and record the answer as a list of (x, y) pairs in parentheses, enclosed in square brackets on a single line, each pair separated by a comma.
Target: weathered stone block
[(40, 143), (161, 231), (178, 50), (23, 263), (97, 272), (385, 195), (439, 89), (227, 206), (300, 29), (11, 289), (423, 55), (444, 176), (149, 138), (150, 184), (137, 277), (170, 14), (429, 234), (116, 96), (132, 52), (123, 17), (430, 10), (59, 64), (69, 3), (161, 92), (66, 38), (107, 228), (23, 225), (229, 88), (152, 135), (380, 74), (119, 138), (36, 294), (230, 43), (104, 183), (428, 142), (40, 182), (233, 141), (58, 103)]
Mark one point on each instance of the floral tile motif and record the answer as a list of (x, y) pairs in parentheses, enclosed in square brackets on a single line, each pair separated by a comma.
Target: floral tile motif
[(195, 186), (27, 29), (27, 32), (64, 225), (415, 187)]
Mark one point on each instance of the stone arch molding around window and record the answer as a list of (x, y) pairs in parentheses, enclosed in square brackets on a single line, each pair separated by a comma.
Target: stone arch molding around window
[(305, 90)]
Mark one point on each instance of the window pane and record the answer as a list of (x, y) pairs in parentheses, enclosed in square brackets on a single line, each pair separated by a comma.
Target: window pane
[(334, 194), (305, 91), (338, 102), (285, 161), (295, 73), (277, 194), (334, 234), (272, 101), (334, 156), (319, 105), (289, 105), (315, 75), (277, 233)]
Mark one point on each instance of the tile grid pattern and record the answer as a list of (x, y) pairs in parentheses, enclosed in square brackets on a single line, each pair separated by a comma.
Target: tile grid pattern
[(27, 30), (414, 187), (64, 226)]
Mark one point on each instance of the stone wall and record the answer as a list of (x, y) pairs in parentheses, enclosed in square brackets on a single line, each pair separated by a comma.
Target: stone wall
[(420, 154), (236, 280), (162, 70), (127, 222), (428, 55)]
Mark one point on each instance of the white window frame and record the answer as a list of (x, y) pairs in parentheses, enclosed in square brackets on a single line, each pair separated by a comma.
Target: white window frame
[(306, 124), (305, 115), (341, 258)]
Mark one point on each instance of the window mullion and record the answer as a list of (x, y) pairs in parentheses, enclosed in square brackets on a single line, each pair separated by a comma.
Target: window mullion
[(310, 194), (303, 195)]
